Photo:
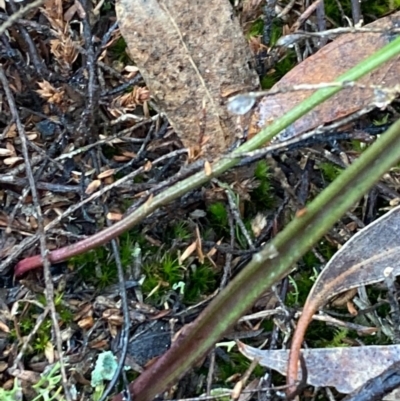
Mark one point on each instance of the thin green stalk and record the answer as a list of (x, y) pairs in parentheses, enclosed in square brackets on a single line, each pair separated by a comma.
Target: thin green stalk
[(277, 258), (219, 167), (268, 266)]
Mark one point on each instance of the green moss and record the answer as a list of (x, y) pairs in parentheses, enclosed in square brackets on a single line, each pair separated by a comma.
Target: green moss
[(330, 171), (333, 12), (256, 28), (332, 338), (101, 261), (279, 70), (109, 152), (382, 121), (300, 284), (276, 31), (378, 8), (162, 273), (107, 6), (197, 281), (302, 280), (118, 51), (201, 281), (237, 364), (181, 231), (218, 216), (370, 9), (262, 197), (358, 146), (310, 260), (26, 324)]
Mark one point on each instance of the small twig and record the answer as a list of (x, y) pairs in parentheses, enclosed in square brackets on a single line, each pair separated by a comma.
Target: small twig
[(21, 182), (229, 255), (287, 9), (20, 13), (305, 15), (107, 140), (43, 248), (236, 215), (122, 87), (356, 11), (330, 33), (210, 372), (106, 37), (87, 126), (321, 21), (38, 64), (126, 326), (40, 319)]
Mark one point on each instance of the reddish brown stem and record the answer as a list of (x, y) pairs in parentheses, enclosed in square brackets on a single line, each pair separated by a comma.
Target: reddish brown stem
[(62, 254), (297, 340)]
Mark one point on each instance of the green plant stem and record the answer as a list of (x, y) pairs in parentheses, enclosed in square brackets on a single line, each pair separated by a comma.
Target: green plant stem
[(268, 266), (277, 258), (219, 167)]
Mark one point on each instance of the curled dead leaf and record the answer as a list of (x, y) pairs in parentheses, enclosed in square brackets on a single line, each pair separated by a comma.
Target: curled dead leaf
[(361, 261), (325, 66)]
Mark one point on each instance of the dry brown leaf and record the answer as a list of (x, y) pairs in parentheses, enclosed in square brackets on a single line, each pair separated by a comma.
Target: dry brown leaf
[(106, 173), (112, 216), (86, 323), (53, 11), (50, 93), (128, 101), (92, 187), (207, 168), (65, 52), (5, 152), (49, 352), (258, 224), (345, 368), (4, 327), (188, 251), (324, 66), (193, 56), (10, 161)]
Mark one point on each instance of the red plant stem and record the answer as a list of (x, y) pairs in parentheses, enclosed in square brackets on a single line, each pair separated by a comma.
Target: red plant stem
[(295, 348), (62, 254), (152, 204)]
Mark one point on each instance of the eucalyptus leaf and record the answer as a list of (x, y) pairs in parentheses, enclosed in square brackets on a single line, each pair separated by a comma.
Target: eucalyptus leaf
[(362, 260)]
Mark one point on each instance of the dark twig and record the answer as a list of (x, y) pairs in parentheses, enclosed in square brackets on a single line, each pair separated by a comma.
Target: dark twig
[(321, 22), (39, 65), (376, 388), (106, 37), (125, 330), (121, 88), (236, 215), (87, 126), (42, 238), (21, 182), (356, 11), (229, 255), (20, 13)]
